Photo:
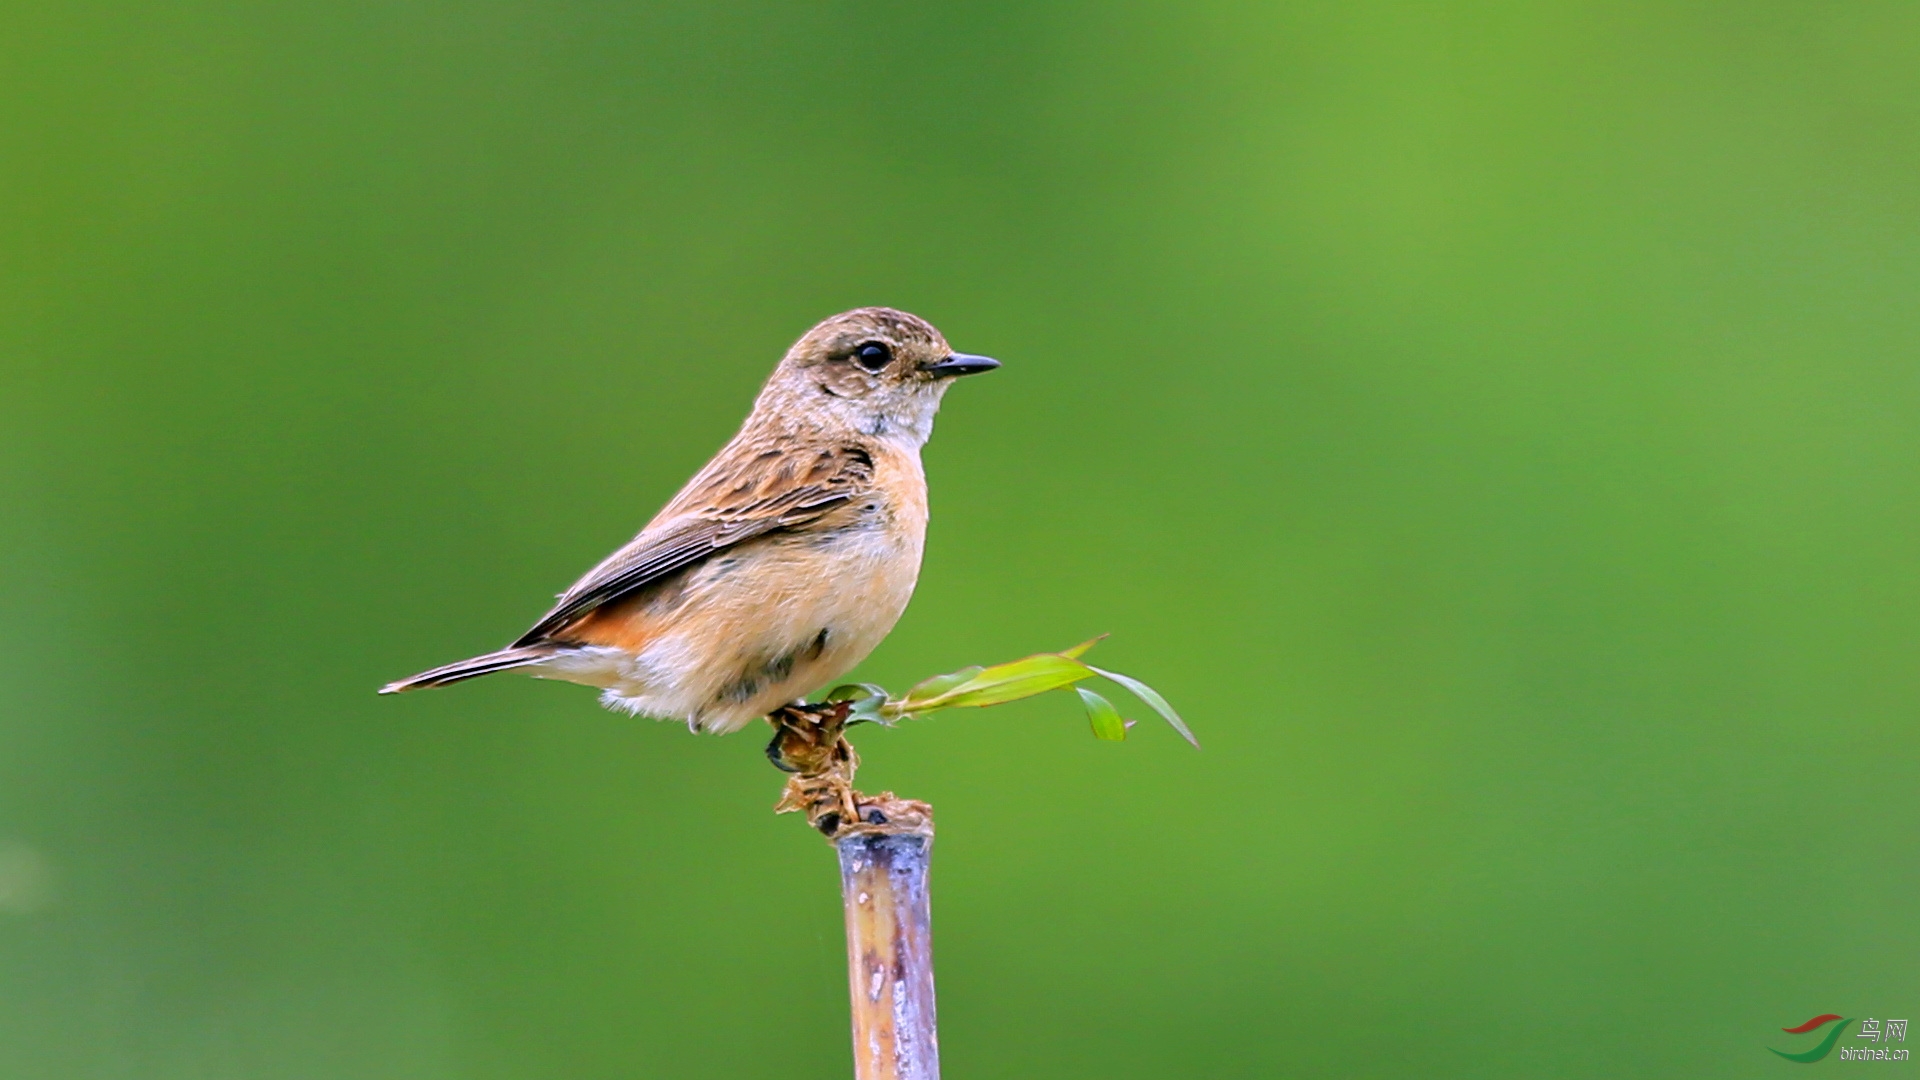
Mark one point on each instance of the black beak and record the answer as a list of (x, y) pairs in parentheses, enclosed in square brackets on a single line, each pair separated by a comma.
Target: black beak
[(960, 364)]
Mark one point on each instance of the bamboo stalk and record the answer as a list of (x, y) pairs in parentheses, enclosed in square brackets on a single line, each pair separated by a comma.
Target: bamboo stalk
[(885, 845), (883, 886)]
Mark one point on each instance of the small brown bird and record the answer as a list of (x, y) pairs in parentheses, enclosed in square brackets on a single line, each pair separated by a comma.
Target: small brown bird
[(783, 562)]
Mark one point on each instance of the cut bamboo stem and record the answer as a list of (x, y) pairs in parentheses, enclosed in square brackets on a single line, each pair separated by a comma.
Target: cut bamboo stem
[(885, 845), (883, 885)]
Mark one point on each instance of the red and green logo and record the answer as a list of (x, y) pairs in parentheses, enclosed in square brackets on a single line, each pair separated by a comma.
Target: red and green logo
[(1808, 1057)]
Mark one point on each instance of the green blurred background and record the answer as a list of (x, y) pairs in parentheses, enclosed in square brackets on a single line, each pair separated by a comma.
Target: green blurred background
[(1497, 426)]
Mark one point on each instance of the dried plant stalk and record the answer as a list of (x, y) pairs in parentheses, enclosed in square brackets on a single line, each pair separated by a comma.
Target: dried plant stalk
[(885, 843), (883, 885)]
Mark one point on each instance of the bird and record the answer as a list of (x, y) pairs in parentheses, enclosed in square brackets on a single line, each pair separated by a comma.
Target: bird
[(781, 564)]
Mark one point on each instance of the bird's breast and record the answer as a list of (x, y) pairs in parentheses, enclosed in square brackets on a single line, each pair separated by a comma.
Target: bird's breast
[(862, 561), (777, 618)]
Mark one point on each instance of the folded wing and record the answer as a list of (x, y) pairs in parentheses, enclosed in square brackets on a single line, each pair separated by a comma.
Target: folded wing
[(742, 495)]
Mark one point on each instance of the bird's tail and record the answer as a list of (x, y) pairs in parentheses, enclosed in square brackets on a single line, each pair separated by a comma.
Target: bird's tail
[(467, 669)]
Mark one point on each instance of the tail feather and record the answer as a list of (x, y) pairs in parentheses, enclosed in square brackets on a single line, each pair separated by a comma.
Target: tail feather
[(467, 669)]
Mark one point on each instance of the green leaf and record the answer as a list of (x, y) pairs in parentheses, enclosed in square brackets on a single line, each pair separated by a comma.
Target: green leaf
[(869, 710), (1018, 679), (1000, 683), (927, 689), (854, 691), (1080, 650), (1153, 699), (1106, 720)]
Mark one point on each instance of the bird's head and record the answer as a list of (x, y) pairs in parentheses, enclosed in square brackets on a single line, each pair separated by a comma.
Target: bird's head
[(877, 370)]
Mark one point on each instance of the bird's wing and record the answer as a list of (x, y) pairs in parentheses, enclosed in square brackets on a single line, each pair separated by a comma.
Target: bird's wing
[(741, 495)]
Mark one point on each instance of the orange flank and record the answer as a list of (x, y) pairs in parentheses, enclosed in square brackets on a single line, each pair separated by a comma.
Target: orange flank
[(625, 625)]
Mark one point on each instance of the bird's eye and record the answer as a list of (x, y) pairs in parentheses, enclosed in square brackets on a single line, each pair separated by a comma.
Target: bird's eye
[(873, 356)]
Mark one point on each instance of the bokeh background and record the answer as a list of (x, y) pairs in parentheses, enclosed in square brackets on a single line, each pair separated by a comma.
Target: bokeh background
[(1497, 426)]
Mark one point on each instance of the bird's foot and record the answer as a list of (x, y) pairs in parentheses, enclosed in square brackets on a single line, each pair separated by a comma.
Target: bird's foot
[(809, 741)]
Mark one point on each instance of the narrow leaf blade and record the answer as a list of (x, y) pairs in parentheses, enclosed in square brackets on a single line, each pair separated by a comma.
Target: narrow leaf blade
[(855, 691), (1019, 679), (1080, 650), (1106, 720), (868, 710), (928, 689), (1002, 683), (1154, 701)]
